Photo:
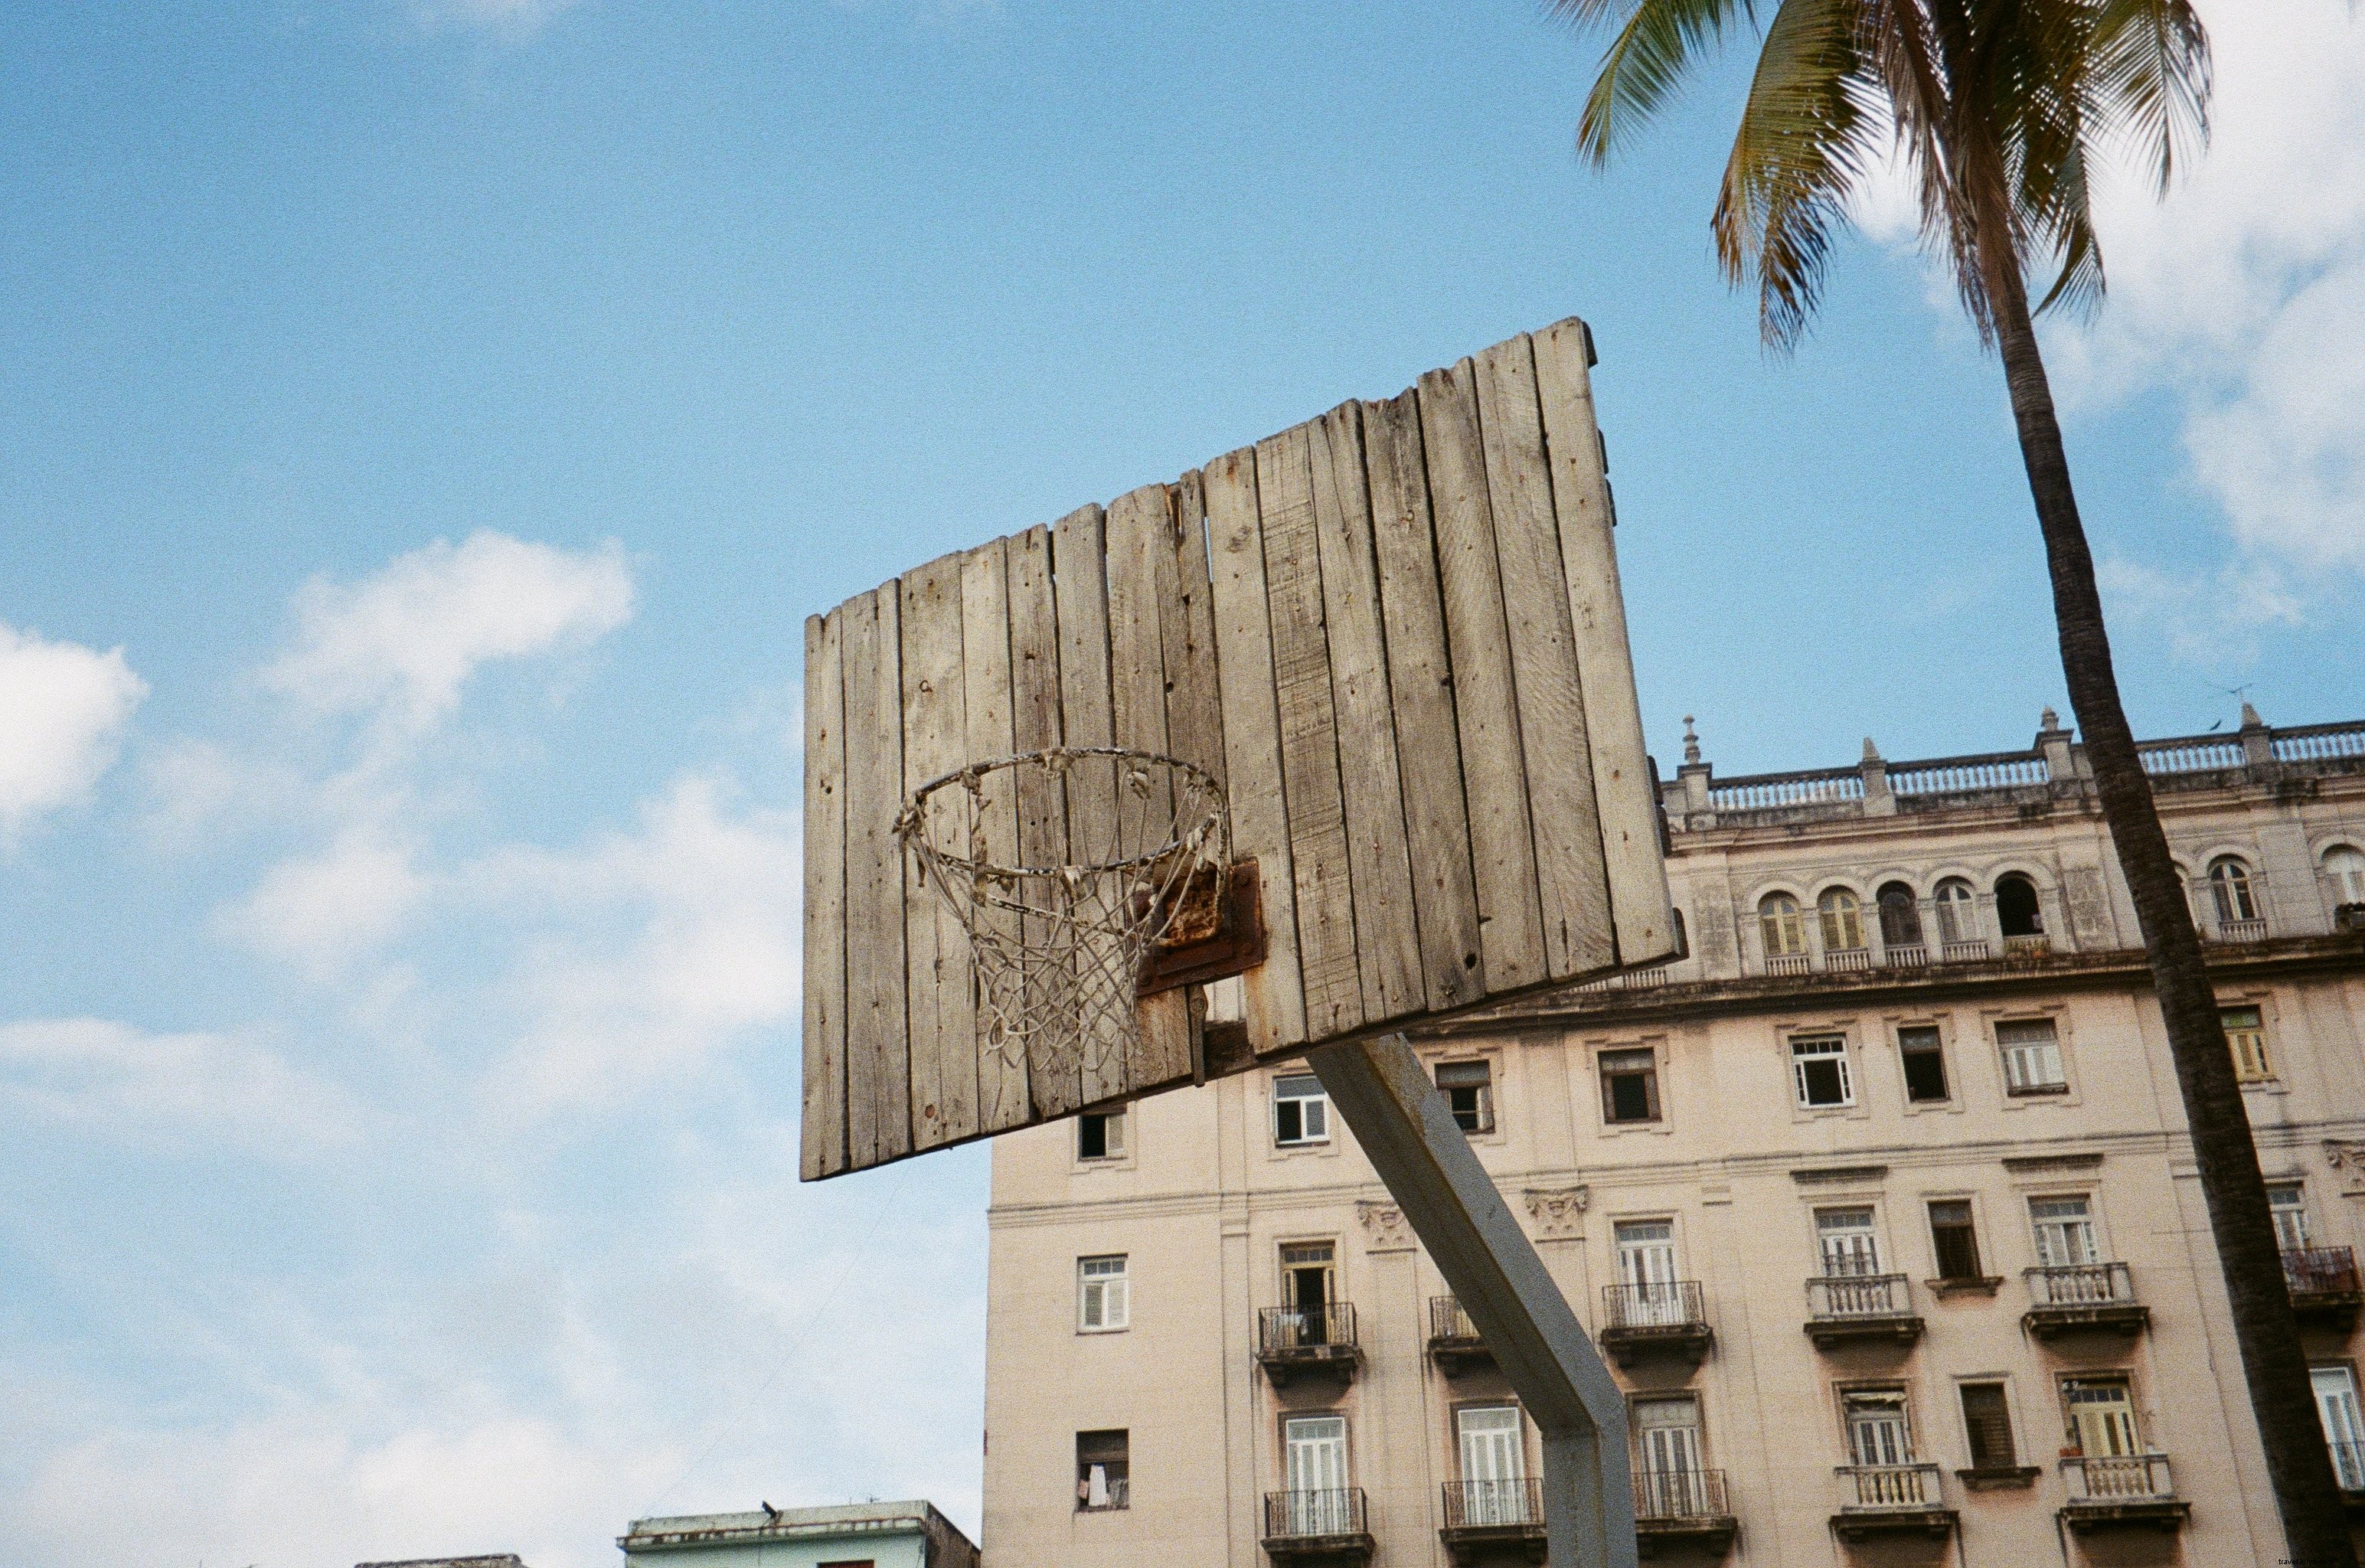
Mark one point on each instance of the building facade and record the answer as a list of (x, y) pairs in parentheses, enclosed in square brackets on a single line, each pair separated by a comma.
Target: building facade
[(1878, 1201), (851, 1535)]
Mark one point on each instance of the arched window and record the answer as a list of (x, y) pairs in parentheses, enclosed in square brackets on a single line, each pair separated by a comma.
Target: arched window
[(2229, 887), (1959, 911), (1683, 942), (1842, 920), (1900, 917), (2343, 866), (2016, 908), (1778, 920)]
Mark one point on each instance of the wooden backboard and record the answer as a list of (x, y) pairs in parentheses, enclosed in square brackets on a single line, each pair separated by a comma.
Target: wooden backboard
[(1393, 632)]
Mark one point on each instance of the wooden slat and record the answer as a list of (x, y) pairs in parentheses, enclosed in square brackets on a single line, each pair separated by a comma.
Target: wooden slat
[(944, 1023), (1639, 899), (1387, 942), (1042, 801), (1001, 1095), (823, 1145), (1079, 574), (1571, 878), (1143, 582), (1309, 740), (1272, 1000), (878, 1108), (1502, 846), (1194, 710), (1420, 687)]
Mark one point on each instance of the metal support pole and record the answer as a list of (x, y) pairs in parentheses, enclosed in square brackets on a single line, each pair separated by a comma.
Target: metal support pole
[(1403, 1125)]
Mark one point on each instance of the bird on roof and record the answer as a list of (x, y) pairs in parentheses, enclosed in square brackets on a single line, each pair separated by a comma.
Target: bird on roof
[(772, 1513)]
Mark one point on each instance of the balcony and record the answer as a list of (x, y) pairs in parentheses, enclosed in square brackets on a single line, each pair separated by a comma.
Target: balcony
[(1891, 1499), (2083, 1297), (2323, 1285), (1494, 1521), (1454, 1340), (1684, 1508), (1666, 1318), (1852, 1308), (2033, 945), (1315, 1530), (1295, 1339), (1969, 950), (2121, 1491)]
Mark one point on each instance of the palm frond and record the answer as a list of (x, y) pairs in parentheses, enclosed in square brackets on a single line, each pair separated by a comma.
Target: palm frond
[(1657, 42), (2150, 79)]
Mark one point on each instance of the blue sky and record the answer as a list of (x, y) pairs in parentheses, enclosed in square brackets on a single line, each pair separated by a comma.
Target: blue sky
[(428, 426)]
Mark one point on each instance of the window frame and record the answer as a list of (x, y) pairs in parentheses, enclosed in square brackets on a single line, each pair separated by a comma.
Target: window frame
[(2275, 1212), (2058, 1085), (1120, 1119), (2255, 1065), (1485, 1110), (1949, 908), (2004, 1409), (2233, 889), (1799, 1079), (1970, 1227), (1091, 1286), (1781, 932), (1299, 1100), (1120, 1486), (1839, 916), (1603, 1075), (2352, 865), (1937, 1048)]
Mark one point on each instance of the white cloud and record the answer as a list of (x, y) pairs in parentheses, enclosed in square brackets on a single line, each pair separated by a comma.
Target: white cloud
[(702, 945), (2207, 618), (109, 1077), (404, 641), (324, 908), (62, 710), (511, 19)]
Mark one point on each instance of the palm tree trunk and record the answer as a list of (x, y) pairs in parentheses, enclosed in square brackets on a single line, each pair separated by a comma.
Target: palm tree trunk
[(2299, 1464)]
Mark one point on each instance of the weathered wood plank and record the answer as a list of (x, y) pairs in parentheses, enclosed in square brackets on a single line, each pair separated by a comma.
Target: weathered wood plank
[(1502, 843), (941, 1005), (1309, 738), (823, 1145), (1194, 710), (1420, 687), (1055, 1089), (987, 696), (1571, 877), (1273, 1002), (1387, 941), (878, 1098), (1639, 898), (1143, 582), (1080, 575)]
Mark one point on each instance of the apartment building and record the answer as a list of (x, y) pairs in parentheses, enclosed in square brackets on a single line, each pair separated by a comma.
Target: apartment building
[(1878, 1204)]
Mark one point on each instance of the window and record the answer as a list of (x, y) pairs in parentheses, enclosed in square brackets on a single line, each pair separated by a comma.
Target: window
[(1846, 1239), (1843, 921), (1819, 1070), (2230, 889), (2344, 1427), (1103, 1302), (1959, 911), (2246, 1036), (1469, 1088), (1629, 1085), (1988, 1423), (1103, 1478), (2101, 1417), (2031, 1057), (1877, 1429), (2343, 868), (1667, 1457), (1900, 917), (1308, 1277), (1646, 1267), (1300, 1111), (1925, 1063), (1315, 1469), (1493, 1465), (2017, 912), (2287, 1202), (1100, 1136), (2064, 1227), (1954, 1240), (1778, 924)]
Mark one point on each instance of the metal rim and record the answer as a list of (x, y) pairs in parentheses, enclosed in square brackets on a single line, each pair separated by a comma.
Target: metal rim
[(907, 823)]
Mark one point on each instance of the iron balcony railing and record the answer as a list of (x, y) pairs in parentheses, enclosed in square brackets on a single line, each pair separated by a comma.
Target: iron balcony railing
[(1680, 1495), (1282, 1328), (2320, 1270), (1871, 1486), (1664, 1303), (1448, 1321), (1293, 1516), (1858, 1295), (2117, 1478), (2082, 1284), (2349, 1465), (1490, 1505)]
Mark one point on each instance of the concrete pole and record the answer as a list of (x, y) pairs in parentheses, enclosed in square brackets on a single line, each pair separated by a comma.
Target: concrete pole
[(1403, 1126)]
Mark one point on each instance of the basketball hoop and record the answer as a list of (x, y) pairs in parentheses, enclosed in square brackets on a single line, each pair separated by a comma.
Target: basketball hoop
[(1060, 951)]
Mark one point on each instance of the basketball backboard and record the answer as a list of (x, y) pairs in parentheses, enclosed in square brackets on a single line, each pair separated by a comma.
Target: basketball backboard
[(1368, 679)]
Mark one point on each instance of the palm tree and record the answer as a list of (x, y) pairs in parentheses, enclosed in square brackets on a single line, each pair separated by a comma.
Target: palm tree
[(1995, 110)]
